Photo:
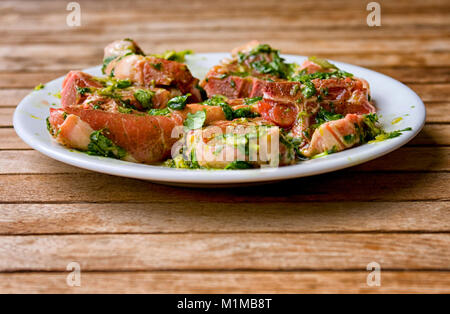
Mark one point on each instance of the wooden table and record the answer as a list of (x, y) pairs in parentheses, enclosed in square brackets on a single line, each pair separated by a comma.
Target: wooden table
[(314, 234)]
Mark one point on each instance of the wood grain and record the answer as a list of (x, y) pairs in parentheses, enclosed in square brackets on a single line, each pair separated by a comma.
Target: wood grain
[(225, 251), (339, 186), (227, 282), (213, 217), (10, 140), (404, 159)]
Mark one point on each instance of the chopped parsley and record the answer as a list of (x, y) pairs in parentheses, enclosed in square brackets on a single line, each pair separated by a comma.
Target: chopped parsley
[(349, 138), (100, 145), (172, 55), (157, 66), (308, 89), (230, 114), (106, 62), (215, 100), (303, 77), (39, 87), (124, 110), (238, 165), (83, 90), (219, 100), (277, 66), (123, 83), (49, 126), (227, 111), (178, 102), (244, 112), (386, 136), (249, 101), (144, 97), (325, 116), (325, 64), (159, 112)]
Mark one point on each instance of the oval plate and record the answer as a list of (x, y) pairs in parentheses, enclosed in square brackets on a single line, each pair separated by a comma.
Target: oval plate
[(392, 99)]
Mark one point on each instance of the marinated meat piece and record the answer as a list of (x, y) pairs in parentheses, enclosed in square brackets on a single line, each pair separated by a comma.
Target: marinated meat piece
[(125, 60), (335, 136), (79, 87), (145, 137), (252, 142), (69, 130)]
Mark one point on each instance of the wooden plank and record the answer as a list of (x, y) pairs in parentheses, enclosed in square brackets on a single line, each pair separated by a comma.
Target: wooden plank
[(227, 282), (208, 28), (404, 159), (106, 26), (193, 217), (10, 140), (433, 134), (275, 38), (6, 115), (12, 97), (31, 161), (435, 112), (338, 186), (408, 75), (198, 8), (259, 251), (17, 85), (410, 159), (432, 92)]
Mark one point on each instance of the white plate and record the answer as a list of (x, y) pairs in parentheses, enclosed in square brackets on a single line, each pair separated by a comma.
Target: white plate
[(392, 98)]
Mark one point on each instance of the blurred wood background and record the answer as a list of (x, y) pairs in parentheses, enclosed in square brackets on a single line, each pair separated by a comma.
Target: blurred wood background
[(314, 234)]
